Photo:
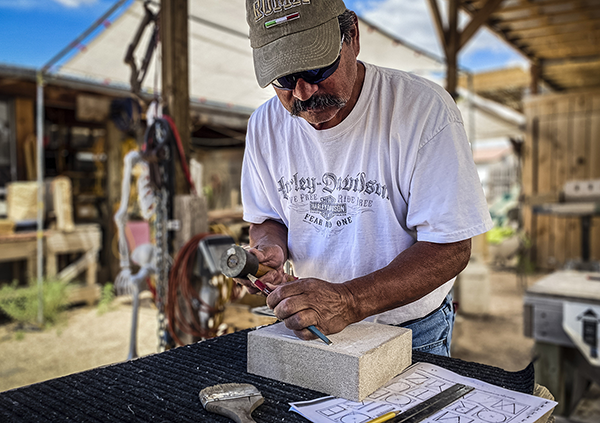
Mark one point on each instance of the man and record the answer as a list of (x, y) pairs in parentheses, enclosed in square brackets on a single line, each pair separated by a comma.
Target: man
[(361, 176)]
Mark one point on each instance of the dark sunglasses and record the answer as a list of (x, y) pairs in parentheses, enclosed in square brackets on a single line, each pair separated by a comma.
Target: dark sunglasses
[(313, 76)]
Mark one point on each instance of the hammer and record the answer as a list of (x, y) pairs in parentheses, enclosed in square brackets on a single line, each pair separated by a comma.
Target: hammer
[(236, 262)]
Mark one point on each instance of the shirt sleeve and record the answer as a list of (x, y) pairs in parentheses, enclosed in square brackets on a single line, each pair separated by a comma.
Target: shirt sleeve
[(446, 202), (255, 194)]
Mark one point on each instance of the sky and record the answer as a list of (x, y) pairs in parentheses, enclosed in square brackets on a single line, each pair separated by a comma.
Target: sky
[(32, 32)]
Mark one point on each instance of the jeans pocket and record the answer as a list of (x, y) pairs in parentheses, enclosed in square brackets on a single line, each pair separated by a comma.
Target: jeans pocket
[(433, 333), (438, 348)]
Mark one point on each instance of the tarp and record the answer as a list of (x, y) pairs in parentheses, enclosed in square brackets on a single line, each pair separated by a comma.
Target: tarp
[(220, 56), (222, 73)]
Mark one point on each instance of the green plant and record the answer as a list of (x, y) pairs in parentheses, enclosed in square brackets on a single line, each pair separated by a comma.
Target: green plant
[(106, 299), (21, 303)]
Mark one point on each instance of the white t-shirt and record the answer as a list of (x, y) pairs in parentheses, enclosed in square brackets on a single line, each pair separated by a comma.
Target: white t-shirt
[(396, 170)]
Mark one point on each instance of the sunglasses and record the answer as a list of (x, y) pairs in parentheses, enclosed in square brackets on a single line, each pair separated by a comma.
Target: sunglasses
[(313, 76)]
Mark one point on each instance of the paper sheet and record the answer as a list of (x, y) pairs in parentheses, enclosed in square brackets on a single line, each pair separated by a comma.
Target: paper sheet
[(486, 404)]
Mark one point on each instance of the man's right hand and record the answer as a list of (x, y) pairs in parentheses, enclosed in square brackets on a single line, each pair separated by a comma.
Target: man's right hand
[(273, 257)]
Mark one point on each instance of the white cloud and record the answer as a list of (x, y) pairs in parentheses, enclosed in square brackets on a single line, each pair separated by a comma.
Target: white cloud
[(409, 20), (75, 3)]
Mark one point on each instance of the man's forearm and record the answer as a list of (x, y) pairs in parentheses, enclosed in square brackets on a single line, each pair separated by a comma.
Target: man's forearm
[(410, 276)]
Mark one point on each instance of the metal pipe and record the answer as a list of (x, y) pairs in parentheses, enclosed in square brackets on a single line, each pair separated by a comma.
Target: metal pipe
[(40, 196), (84, 35)]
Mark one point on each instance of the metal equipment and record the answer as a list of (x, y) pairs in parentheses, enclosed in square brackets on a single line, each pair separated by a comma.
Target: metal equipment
[(561, 313), (582, 200)]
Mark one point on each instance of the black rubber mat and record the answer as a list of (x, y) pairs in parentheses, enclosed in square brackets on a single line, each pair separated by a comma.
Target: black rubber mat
[(164, 387)]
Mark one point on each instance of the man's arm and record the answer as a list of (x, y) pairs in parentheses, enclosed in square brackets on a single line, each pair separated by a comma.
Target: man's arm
[(331, 307)]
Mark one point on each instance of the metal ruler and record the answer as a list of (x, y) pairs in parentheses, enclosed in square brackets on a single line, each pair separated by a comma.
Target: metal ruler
[(434, 404)]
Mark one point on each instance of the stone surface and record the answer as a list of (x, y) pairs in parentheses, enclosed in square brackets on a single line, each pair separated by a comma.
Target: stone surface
[(474, 291), (361, 359)]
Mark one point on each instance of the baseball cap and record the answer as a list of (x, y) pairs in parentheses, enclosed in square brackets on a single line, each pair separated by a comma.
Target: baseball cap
[(289, 36)]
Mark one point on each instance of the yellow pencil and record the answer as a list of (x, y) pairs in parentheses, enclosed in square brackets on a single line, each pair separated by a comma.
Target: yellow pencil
[(384, 418)]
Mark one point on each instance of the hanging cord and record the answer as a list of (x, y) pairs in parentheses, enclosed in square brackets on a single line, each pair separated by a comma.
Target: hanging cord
[(184, 165), (184, 303)]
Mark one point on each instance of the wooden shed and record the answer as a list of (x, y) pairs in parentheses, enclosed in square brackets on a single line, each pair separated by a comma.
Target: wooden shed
[(562, 108), (562, 144)]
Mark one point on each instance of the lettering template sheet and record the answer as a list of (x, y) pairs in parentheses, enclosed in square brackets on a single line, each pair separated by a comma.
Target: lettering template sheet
[(485, 404)]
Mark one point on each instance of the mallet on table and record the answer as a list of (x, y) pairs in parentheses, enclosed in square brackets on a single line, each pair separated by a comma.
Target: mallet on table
[(236, 262)]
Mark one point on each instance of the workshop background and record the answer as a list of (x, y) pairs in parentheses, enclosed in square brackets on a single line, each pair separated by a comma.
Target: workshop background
[(67, 128)]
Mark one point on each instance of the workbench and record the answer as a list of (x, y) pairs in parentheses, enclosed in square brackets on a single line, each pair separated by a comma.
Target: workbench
[(20, 246), (563, 366), (84, 239), (164, 387)]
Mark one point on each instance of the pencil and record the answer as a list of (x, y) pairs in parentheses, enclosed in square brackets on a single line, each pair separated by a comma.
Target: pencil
[(383, 418)]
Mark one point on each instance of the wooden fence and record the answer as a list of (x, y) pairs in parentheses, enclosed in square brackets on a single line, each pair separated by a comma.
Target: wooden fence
[(562, 144)]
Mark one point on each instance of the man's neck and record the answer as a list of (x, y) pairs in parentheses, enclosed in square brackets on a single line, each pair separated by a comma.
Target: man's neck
[(345, 111)]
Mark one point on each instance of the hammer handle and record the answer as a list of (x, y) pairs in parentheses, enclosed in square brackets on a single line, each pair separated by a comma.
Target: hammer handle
[(262, 269)]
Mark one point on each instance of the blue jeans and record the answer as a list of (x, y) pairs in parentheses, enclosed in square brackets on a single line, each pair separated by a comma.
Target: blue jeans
[(433, 333)]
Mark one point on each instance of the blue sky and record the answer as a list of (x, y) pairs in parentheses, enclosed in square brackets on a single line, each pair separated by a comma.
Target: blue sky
[(33, 31)]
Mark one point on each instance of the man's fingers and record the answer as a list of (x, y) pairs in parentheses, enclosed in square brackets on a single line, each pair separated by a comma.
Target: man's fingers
[(301, 319), (305, 334), (284, 291)]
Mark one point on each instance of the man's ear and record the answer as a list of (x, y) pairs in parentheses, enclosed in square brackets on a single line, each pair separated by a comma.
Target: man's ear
[(355, 36)]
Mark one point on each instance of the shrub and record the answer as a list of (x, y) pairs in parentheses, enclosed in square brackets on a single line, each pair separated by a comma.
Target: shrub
[(21, 303)]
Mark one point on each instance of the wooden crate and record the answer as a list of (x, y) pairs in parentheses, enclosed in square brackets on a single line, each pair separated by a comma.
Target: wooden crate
[(562, 143)]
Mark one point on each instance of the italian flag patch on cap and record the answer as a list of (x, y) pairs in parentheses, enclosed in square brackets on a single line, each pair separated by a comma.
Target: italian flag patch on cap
[(284, 19)]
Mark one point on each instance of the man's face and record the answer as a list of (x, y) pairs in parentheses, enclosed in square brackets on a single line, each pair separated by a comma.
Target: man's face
[(326, 103)]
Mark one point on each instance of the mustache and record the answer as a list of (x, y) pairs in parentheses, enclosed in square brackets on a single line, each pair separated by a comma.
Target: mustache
[(317, 102)]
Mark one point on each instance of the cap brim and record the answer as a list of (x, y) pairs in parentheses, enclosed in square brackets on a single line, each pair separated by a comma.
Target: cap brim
[(301, 51)]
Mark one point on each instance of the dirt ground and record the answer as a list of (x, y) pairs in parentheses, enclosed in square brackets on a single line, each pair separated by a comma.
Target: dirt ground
[(88, 339)]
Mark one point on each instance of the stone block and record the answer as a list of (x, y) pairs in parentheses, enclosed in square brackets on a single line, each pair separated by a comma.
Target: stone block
[(361, 359), (474, 290)]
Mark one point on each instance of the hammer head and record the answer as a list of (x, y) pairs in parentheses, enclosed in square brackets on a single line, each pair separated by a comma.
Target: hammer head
[(237, 262)]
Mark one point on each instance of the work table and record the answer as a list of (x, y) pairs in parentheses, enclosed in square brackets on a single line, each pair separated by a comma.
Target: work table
[(164, 387)]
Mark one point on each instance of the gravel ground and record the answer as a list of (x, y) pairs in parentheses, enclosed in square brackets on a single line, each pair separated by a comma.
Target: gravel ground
[(87, 339)]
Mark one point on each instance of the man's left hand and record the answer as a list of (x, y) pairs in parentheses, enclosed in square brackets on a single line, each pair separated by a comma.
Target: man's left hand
[(305, 302)]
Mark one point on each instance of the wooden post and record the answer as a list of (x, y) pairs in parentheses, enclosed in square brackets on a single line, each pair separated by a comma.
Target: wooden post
[(536, 71), (25, 128), (452, 50), (453, 40), (114, 164), (175, 80)]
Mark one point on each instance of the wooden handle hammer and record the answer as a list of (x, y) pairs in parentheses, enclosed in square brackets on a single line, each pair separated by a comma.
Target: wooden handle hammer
[(237, 262)]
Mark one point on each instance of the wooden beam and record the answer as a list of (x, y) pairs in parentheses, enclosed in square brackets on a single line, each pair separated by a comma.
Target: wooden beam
[(556, 29), (571, 52), (175, 78), (453, 48), (551, 17), (581, 37), (439, 25), (114, 164), (25, 126), (535, 71), (498, 80), (477, 20), (535, 6)]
